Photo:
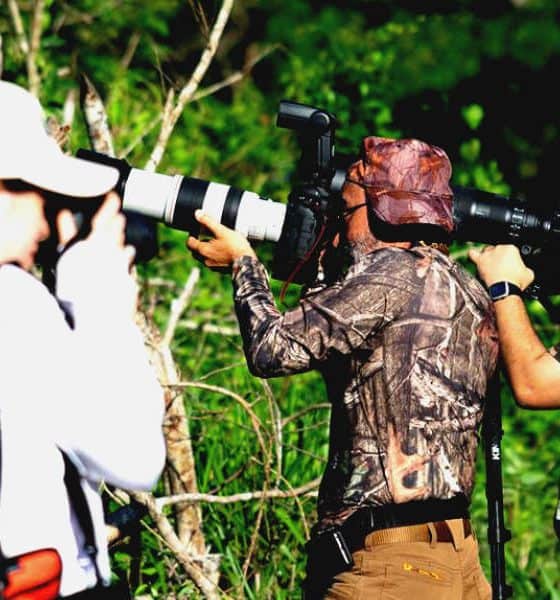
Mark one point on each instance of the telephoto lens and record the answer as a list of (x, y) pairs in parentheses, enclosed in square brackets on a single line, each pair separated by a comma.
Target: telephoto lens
[(492, 219), (173, 200)]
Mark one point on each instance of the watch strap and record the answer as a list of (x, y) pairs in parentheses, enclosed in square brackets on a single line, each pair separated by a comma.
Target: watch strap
[(503, 289)]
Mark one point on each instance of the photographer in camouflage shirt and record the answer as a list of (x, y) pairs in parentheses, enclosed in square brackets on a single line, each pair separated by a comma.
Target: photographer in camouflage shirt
[(405, 341)]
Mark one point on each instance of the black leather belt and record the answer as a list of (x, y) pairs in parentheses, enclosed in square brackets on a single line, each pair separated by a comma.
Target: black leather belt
[(368, 519)]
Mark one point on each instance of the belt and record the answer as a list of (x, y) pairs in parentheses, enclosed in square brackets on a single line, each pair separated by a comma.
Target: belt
[(369, 519), (417, 533)]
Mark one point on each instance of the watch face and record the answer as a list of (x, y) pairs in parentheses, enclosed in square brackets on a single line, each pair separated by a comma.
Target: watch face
[(503, 289), (499, 290)]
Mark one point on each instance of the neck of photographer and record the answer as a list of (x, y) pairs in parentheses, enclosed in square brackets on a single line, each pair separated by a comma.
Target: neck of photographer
[(23, 226), (358, 232)]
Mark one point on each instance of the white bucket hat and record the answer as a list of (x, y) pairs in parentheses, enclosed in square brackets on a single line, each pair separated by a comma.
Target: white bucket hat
[(28, 153)]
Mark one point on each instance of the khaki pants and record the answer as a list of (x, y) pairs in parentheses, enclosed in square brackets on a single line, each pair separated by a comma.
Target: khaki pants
[(428, 570)]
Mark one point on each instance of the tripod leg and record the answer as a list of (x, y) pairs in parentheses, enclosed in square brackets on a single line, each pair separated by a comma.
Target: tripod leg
[(498, 535)]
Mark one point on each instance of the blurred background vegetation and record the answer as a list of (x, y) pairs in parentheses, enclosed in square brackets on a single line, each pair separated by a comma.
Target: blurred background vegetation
[(477, 78)]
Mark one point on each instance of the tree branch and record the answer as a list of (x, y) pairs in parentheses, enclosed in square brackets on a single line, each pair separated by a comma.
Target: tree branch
[(210, 328), (69, 109), (35, 42), (311, 408), (257, 425), (100, 135), (179, 304), (302, 490), (189, 89), (200, 17), (234, 77), (18, 27), (130, 51), (197, 568)]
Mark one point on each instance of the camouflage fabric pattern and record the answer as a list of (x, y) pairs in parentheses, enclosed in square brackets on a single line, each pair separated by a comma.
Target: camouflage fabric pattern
[(405, 181), (405, 343)]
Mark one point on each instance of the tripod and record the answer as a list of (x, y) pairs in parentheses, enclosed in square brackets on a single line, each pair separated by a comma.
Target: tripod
[(498, 535)]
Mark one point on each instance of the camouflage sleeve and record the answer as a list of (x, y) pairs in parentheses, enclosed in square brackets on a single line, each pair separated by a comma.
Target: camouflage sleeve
[(338, 319)]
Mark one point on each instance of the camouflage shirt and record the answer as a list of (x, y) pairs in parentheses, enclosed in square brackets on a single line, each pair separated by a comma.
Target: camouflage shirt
[(405, 343)]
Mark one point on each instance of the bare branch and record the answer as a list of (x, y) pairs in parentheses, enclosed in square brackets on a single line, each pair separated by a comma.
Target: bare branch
[(196, 567), (69, 109), (210, 328), (57, 131), (254, 539), (18, 27), (222, 369), (35, 42), (181, 469), (300, 413), (190, 88), (95, 114), (267, 468), (308, 488), (234, 77), (188, 543), (200, 17), (212, 89), (276, 419), (257, 425), (114, 535), (158, 119), (130, 51), (179, 450), (140, 137), (179, 304)]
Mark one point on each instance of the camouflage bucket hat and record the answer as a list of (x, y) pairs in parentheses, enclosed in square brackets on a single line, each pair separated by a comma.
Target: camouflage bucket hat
[(405, 182)]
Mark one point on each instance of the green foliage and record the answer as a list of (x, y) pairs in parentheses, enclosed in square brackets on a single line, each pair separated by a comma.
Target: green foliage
[(476, 78)]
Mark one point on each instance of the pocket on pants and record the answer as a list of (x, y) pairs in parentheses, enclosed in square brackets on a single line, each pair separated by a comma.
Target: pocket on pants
[(365, 581), (418, 579)]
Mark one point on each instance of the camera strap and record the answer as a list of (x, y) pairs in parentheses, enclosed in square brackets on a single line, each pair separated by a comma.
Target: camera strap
[(77, 497), (3, 560)]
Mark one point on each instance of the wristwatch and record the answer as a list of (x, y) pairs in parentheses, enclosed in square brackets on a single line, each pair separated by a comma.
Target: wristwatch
[(503, 289)]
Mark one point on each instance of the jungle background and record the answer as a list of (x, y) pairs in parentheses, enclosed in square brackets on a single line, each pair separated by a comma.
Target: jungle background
[(193, 88)]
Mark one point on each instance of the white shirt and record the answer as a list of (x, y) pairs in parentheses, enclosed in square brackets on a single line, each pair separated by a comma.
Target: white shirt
[(90, 391)]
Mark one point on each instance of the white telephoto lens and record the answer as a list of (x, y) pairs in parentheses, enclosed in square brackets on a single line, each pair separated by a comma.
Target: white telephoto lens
[(152, 194), (260, 219), (215, 199)]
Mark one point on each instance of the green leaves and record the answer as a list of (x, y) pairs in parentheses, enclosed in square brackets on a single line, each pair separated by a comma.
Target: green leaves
[(473, 115)]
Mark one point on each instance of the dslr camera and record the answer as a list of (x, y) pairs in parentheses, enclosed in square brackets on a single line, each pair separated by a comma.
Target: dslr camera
[(297, 227)]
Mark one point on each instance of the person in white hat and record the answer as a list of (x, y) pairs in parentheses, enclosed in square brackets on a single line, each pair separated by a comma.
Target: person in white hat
[(79, 400)]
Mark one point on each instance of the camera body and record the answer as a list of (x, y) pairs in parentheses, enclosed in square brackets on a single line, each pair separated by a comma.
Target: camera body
[(315, 202)]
